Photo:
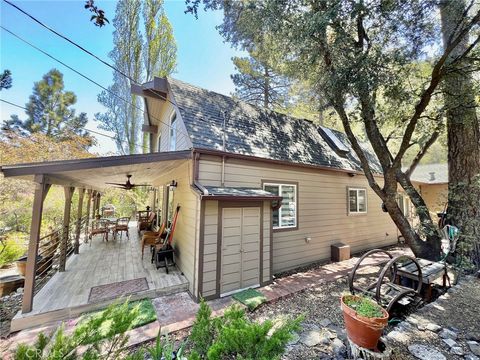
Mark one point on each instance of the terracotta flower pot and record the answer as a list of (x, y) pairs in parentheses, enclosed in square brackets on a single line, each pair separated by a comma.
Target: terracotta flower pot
[(363, 331)]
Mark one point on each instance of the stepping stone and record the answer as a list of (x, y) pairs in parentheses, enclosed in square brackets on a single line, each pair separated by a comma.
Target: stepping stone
[(311, 338), (424, 352), (325, 322), (457, 350), (450, 342), (474, 347), (448, 334), (433, 327)]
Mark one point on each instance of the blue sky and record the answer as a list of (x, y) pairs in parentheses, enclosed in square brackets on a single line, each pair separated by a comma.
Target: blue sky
[(203, 58)]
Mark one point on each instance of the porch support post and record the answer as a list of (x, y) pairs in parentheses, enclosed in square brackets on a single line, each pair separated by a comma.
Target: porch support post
[(41, 190), (89, 203), (98, 202), (94, 204), (66, 226), (81, 193)]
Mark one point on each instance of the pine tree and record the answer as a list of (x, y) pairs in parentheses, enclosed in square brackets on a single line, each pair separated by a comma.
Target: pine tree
[(257, 82), (49, 111)]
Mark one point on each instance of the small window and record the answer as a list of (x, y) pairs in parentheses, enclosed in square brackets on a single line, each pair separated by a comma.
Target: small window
[(357, 201), (286, 216), (159, 143), (404, 204), (173, 133)]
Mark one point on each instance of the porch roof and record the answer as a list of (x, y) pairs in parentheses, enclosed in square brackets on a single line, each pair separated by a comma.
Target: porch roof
[(94, 173)]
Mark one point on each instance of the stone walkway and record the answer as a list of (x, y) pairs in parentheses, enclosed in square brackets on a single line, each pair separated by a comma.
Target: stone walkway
[(177, 311)]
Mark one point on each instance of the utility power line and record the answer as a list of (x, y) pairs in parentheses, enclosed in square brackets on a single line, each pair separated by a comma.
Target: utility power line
[(89, 130), (84, 50), (85, 77)]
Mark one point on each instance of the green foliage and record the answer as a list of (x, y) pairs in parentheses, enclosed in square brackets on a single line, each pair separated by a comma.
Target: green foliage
[(203, 330), (364, 306), (102, 337), (141, 59), (235, 336), (5, 79), (11, 248), (49, 111), (143, 309)]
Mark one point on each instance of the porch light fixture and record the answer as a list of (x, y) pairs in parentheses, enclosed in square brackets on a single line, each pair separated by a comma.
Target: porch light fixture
[(173, 185)]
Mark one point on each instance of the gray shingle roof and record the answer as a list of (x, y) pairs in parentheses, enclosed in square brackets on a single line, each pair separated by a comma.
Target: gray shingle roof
[(251, 130), (431, 174)]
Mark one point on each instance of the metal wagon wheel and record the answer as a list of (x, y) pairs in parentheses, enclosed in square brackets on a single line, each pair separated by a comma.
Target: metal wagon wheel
[(351, 275), (398, 290)]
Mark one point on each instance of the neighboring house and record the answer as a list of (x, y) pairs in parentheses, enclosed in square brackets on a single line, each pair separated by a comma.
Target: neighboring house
[(432, 182), (232, 232)]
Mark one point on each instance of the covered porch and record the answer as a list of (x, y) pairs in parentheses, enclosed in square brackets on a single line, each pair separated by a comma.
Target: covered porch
[(89, 276)]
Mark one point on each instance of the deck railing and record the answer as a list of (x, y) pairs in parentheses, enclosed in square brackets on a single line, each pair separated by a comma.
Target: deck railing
[(50, 254)]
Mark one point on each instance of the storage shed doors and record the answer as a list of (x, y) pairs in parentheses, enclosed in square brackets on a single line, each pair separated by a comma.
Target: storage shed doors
[(240, 249)]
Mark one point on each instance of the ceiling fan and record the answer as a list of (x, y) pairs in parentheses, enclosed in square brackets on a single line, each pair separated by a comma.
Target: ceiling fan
[(127, 186)]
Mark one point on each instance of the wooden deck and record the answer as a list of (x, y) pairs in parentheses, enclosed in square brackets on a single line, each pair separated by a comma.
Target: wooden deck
[(66, 294)]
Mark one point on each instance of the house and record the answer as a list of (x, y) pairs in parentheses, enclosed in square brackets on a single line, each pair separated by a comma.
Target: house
[(259, 193), (432, 182), (235, 230)]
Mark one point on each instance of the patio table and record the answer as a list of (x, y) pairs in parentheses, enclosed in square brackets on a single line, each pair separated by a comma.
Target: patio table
[(431, 271), (111, 221)]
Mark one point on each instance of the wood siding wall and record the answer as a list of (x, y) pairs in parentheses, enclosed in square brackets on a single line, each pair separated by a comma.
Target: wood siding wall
[(160, 116), (322, 209), (435, 196), (185, 239)]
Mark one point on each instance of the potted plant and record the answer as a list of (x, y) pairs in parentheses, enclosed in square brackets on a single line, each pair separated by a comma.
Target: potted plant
[(364, 320)]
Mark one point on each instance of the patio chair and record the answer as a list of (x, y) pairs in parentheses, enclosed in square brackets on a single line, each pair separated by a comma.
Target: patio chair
[(146, 223), (99, 226), (121, 226), (151, 238)]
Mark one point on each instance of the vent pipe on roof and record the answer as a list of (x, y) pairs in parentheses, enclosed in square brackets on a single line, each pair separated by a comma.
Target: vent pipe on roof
[(432, 176)]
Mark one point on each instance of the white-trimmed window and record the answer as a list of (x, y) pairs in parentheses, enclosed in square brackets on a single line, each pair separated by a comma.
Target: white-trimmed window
[(173, 133), (404, 204), (284, 217), (357, 200)]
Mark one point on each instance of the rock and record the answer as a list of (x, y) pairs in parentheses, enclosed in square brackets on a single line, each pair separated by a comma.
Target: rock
[(474, 336), (412, 320), (457, 350), (424, 352), (474, 347), (325, 322), (339, 347), (399, 336), (448, 334), (433, 327), (310, 338), (450, 342), (471, 357)]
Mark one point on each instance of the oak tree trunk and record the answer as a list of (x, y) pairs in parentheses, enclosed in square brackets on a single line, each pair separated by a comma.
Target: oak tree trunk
[(463, 137)]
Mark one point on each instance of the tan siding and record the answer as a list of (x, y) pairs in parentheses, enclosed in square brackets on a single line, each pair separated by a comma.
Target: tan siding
[(266, 241), (210, 248), (185, 235), (322, 210), (435, 196), (160, 115)]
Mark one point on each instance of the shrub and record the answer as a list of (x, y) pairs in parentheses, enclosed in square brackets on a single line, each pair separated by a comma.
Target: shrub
[(235, 336), (10, 250), (103, 337)]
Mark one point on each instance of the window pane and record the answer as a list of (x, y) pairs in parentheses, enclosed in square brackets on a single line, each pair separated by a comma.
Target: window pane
[(352, 196), (288, 209), (274, 189), (362, 201), (173, 133)]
